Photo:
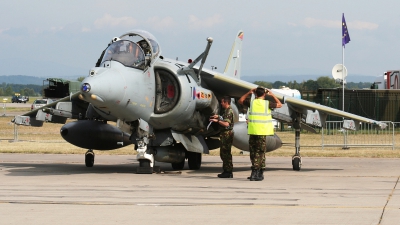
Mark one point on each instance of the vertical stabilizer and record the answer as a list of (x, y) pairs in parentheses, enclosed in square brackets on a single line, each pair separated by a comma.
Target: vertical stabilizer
[(232, 67)]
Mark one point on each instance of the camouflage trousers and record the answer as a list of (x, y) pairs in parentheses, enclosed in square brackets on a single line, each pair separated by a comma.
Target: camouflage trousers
[(257, 148), (226, 138)]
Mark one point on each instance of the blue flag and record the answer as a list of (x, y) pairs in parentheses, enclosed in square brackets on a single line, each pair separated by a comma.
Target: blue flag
[(345, 32)]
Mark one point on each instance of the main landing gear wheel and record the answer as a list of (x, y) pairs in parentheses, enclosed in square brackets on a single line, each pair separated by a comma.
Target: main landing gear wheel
[(178, 166), (296, 162), (194, 160), (89, 158)]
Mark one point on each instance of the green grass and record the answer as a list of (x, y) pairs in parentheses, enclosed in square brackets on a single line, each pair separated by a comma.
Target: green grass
[(31, 99)]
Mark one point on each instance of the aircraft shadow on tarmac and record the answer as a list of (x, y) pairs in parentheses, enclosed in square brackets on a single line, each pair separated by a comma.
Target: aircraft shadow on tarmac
[(50, 169)]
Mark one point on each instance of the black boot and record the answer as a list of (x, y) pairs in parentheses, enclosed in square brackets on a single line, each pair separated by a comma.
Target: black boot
[(252, 173), (225, 174), (260, 175)]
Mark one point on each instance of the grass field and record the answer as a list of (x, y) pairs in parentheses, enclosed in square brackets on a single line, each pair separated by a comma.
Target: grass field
[(31, 99), (47, 139)]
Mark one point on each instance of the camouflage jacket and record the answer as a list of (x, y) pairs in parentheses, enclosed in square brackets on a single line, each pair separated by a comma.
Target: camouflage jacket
[(227, 116)]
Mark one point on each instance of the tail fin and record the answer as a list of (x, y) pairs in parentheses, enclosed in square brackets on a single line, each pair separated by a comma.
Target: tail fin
[(232, 67)]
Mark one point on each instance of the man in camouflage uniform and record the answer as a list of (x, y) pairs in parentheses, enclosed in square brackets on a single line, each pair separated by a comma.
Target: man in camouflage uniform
[(225, 121), (260, 126)]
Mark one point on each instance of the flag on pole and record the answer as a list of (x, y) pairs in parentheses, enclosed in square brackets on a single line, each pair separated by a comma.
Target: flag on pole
[(345, 32)]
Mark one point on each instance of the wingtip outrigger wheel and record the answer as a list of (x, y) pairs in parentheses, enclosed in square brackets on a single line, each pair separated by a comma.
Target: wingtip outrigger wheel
[(296, 162)]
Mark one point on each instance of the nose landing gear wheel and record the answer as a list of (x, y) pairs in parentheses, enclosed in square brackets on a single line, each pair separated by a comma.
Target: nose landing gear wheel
[(144, 163), (144, 167), (89, 158)]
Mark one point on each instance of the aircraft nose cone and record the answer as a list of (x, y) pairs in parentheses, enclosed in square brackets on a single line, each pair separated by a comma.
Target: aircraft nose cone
[(85, 88), (104, 89)]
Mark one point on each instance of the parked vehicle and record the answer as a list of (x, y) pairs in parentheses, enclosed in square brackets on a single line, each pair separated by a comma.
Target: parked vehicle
[(19, 99), (40, 103)]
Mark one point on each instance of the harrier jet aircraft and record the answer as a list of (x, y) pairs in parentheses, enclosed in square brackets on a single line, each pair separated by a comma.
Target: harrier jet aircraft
[(162, 105)]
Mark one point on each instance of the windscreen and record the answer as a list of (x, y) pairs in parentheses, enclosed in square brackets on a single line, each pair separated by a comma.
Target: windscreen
[(42, 101), (126, 52)]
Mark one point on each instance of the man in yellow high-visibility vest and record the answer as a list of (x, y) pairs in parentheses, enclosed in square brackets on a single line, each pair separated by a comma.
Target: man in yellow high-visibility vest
[(260, 125)]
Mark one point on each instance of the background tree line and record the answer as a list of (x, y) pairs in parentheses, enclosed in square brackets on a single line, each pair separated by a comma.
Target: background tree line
[(313, 85), (23, 89), (309, 85)]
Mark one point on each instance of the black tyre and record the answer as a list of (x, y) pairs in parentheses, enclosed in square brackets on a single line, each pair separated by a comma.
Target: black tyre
[(194, 160), (144, 163), (296, 164), (89, 159), (178, 166)]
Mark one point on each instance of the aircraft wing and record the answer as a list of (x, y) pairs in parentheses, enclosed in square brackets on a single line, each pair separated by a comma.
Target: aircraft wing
[(56, 112), (227, 85)]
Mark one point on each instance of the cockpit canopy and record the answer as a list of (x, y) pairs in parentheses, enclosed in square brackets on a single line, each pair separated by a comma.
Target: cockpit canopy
[(135, 49), (126, 52)]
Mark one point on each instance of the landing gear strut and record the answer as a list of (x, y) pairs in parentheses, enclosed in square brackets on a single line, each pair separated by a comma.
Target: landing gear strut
[(296, 159), (89, 158)]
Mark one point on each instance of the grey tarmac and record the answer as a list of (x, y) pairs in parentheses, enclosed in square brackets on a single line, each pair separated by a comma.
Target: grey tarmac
[(59, 189)]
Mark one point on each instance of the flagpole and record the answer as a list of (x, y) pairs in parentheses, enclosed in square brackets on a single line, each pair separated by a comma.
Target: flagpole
[(345, 40), (343, 77), (344, 131)]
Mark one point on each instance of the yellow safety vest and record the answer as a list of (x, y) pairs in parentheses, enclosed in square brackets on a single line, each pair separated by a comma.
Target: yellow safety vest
[(260, 119)]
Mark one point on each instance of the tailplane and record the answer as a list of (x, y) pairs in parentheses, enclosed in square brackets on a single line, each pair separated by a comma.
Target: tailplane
[(232, 67)]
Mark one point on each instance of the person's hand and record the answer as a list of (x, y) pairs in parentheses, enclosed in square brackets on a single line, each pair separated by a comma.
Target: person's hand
[(214, 120), (214, 117)]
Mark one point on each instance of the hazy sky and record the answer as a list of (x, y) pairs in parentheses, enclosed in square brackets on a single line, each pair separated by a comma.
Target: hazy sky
[(61, 38)]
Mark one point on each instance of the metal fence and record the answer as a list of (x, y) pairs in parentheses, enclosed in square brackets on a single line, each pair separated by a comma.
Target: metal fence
[(14, 133), (333, 135)]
